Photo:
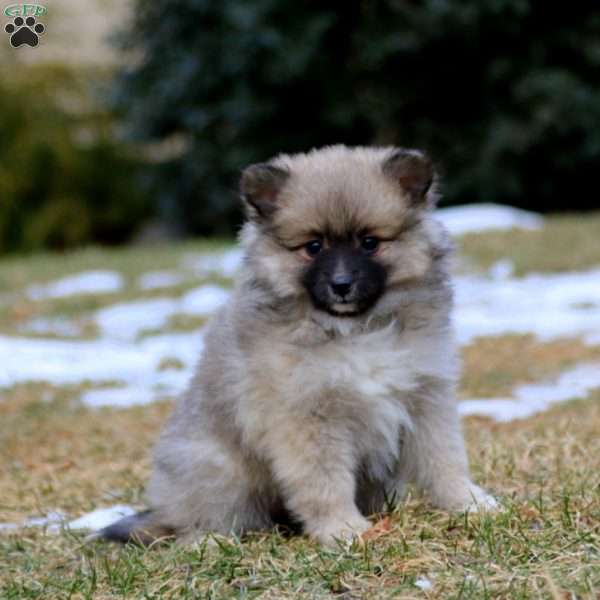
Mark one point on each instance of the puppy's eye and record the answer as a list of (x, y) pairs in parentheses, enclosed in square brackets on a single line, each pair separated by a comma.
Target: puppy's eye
[(313, 247), (369, 243)]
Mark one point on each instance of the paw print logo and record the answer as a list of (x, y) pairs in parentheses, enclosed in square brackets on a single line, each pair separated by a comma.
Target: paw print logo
[(24, 31)]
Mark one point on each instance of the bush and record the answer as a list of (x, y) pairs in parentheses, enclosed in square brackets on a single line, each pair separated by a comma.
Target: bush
[(64, 180), (504, 93)]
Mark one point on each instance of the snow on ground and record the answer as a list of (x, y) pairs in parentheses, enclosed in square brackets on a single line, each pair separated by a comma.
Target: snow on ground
[(54, 522), (473, 218), (101, 517), (87, 282), (60, 326), (125, 321), (203, 300), (135, 366), (423, 583), (549, 306), (129, 369), (226, 264), (534, 398), (51, 521), (159, 279)]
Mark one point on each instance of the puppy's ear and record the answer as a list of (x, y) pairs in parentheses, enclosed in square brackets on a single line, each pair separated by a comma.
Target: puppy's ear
[(260, 185), (413, 171)]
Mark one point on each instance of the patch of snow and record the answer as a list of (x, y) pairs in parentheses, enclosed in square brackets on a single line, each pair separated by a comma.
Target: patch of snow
[(502, 269), (87, 282), (125, 321), (474, 218), (56, 520), (159, 279), (134, 365), (168, 384), (59, 326), (51, 518), (63, 362), (574, 383), (592, 339), (423, 583), (226, 264), (549, 306), (118, 397), (546, 305), (500, 409), (204, 300), (51, 521), (531, 399), (101, 517)]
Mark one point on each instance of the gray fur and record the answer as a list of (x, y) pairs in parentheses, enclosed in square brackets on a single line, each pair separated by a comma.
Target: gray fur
[(322, 416)]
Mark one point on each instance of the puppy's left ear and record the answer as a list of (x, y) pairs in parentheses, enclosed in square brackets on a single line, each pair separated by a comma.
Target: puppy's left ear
[(414, 172), (260, 186)]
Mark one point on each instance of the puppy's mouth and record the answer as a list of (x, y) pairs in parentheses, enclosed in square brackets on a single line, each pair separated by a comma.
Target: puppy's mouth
[(344, 309)]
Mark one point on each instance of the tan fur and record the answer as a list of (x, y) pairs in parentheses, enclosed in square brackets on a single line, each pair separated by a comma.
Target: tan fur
[(325, 415)]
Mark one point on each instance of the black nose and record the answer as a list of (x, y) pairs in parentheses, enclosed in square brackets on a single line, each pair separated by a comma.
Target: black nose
[(341, 286)]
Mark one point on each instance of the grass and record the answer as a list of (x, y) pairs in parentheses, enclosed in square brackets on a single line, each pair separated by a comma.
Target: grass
[(493, 366), (546, 542), (17, 273), (565, 243), (56, 454), (177, 322)]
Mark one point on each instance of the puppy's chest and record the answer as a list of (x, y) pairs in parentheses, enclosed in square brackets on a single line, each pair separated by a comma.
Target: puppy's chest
[(369, 368), (364, 383), (356, 385)]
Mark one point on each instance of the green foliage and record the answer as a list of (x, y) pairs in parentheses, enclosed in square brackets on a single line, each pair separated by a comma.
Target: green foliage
[(64, 180), (504, 93)]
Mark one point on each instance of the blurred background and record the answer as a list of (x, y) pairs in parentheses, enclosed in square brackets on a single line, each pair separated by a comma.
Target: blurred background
[(131, 120)]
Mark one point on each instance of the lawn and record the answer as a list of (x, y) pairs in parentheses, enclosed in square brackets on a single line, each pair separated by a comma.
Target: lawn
[(59, 453)]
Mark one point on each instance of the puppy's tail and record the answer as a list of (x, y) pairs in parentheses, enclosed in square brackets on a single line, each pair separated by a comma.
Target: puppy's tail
[(142, 528)]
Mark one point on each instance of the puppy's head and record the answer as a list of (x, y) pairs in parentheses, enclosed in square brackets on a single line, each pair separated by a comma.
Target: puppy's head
[(339, 228)]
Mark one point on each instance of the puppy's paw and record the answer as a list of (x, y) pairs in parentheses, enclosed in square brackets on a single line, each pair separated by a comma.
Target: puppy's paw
[(481, 501), (466, 497), (332, 532), (198, 539)]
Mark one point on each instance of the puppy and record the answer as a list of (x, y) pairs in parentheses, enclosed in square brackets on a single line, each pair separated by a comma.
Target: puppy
[(327, 382)]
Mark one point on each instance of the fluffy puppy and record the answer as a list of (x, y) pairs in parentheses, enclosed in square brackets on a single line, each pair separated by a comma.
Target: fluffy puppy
[(327, 381)]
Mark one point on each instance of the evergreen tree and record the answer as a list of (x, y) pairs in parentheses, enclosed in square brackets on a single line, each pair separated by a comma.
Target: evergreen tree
[(505, 94)]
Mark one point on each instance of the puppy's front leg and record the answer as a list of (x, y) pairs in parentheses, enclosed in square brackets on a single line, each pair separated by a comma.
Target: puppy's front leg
[(434, 455), (315, 464)]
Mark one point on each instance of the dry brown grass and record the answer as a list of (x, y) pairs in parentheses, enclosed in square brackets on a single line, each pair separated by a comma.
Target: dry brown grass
[(56, 454), (566, 243), (494, 366), (546, 470), (59, 455)]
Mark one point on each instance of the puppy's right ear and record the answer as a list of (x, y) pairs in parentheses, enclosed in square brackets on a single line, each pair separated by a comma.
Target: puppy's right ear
[(260, 186)]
